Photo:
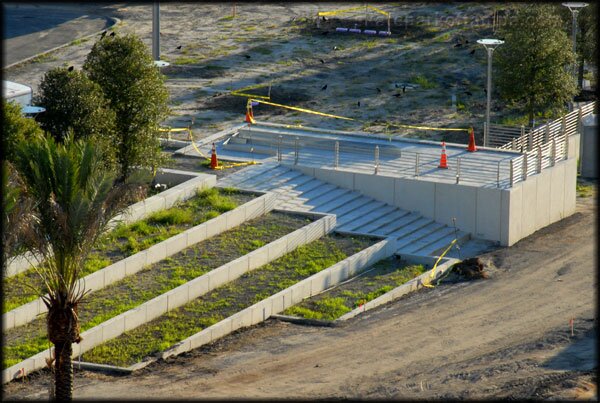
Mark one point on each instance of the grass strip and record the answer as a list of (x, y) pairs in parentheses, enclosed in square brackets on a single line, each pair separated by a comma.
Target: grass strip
[(24, 341), (172, 327), (127, 240), (386, 275)]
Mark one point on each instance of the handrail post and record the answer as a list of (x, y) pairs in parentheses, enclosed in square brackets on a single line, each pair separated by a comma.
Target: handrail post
[(539, 159), (279, 148), (486, 134), (336, 155), (512, 170), (376, 159), (547, 133), (530, 140), (566, 146), (498, 175), (553, 159), (579, 121), (514, 144), (457, 170), (417, 164), (296, 151), (524, 171)]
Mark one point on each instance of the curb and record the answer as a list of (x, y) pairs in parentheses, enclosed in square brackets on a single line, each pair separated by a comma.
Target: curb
[(115, 22), (306, 322)]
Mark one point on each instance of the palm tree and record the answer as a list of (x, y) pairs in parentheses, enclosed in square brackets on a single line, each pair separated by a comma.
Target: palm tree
[(75, 197)]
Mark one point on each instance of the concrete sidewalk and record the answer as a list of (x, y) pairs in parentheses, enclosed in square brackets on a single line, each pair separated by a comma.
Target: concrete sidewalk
[(33, 29)]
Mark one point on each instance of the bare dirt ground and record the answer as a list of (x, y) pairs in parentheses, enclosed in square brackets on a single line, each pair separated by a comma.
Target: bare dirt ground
[(504, 337)]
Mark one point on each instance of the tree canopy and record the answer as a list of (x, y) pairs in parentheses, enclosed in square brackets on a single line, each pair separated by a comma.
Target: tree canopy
[(533, 63), (76, 104), (16, 128), (123, 67)]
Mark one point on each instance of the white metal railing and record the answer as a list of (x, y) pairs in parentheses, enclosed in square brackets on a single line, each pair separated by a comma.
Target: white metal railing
[(507, 137)]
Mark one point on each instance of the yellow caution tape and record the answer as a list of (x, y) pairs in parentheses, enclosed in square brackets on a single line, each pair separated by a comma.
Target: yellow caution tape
[(378, 10), (347, 10), (335, 12), (240, 91), (430, 128), (302, 110), (432, 275)]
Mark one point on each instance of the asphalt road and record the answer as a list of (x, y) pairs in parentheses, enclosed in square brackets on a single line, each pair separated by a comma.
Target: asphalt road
[(30, 29)]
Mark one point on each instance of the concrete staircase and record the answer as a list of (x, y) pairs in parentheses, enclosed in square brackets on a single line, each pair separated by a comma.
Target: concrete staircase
[(356, 213)]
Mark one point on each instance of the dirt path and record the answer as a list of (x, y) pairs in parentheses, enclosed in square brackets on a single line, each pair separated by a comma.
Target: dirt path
[(507, 336)]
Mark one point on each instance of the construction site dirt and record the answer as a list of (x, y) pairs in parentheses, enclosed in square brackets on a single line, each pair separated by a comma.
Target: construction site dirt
[(507, 336)]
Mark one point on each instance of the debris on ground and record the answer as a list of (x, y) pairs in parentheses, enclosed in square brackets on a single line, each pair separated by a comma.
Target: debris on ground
[(471, 268)]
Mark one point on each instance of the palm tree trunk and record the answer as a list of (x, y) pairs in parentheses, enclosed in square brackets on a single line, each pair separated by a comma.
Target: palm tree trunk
[(63, 372)]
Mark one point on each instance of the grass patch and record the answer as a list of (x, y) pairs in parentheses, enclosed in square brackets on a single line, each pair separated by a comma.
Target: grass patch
[(160, 334), (584, 190), (101, 305), (126, 240), (330, 305), (423, 82)]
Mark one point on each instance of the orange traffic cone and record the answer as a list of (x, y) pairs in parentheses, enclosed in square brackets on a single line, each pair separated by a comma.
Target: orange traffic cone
[(443, 158), (249, 114), (214, 163), (471, 146)]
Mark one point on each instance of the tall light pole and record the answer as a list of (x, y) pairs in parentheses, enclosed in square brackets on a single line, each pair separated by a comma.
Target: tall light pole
[(156, 36), (574, 9), (490, 45)]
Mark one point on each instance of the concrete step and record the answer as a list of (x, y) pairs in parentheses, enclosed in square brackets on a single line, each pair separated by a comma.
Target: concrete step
[(330, 206), (388, 219), (406, 230), (427, 240), (367, 208), (245, 173), (293, 189), (305, 197), (398, 224), (248, 181), (250, 148), (348, 207), (438, 247), (266, 182), (409, 240), (368, 218), (323, 199)]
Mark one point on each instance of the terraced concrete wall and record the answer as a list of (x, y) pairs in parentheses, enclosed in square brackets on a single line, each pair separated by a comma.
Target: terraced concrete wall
[(290, 296), (134, 263), (412, 285), (501, 215), (183, 185), (182, 294)]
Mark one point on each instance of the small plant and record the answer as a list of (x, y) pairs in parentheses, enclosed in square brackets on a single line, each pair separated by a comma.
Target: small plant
[(584, 190), (423, 82)]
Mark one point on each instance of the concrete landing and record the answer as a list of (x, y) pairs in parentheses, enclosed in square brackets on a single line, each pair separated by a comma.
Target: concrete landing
[(355, 213)]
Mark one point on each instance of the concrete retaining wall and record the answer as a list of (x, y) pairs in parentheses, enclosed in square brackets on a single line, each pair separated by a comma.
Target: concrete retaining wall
[(183, 294), (290, 296), (182, 186), (501, 215), (412, 285), (134, 263)]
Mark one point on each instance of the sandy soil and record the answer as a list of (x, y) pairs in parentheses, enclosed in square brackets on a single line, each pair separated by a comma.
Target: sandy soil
[(505, 337), (279, 44)]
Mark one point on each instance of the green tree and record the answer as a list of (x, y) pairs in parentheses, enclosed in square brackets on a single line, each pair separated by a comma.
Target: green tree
[(15, 213), (75, 103), (75, 197), (16, 128), (532, 65), (135, 88), (587, 50)]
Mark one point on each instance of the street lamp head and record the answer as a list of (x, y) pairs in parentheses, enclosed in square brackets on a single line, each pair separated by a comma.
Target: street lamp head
[(161, 63), (574, 7), (490, 43)]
